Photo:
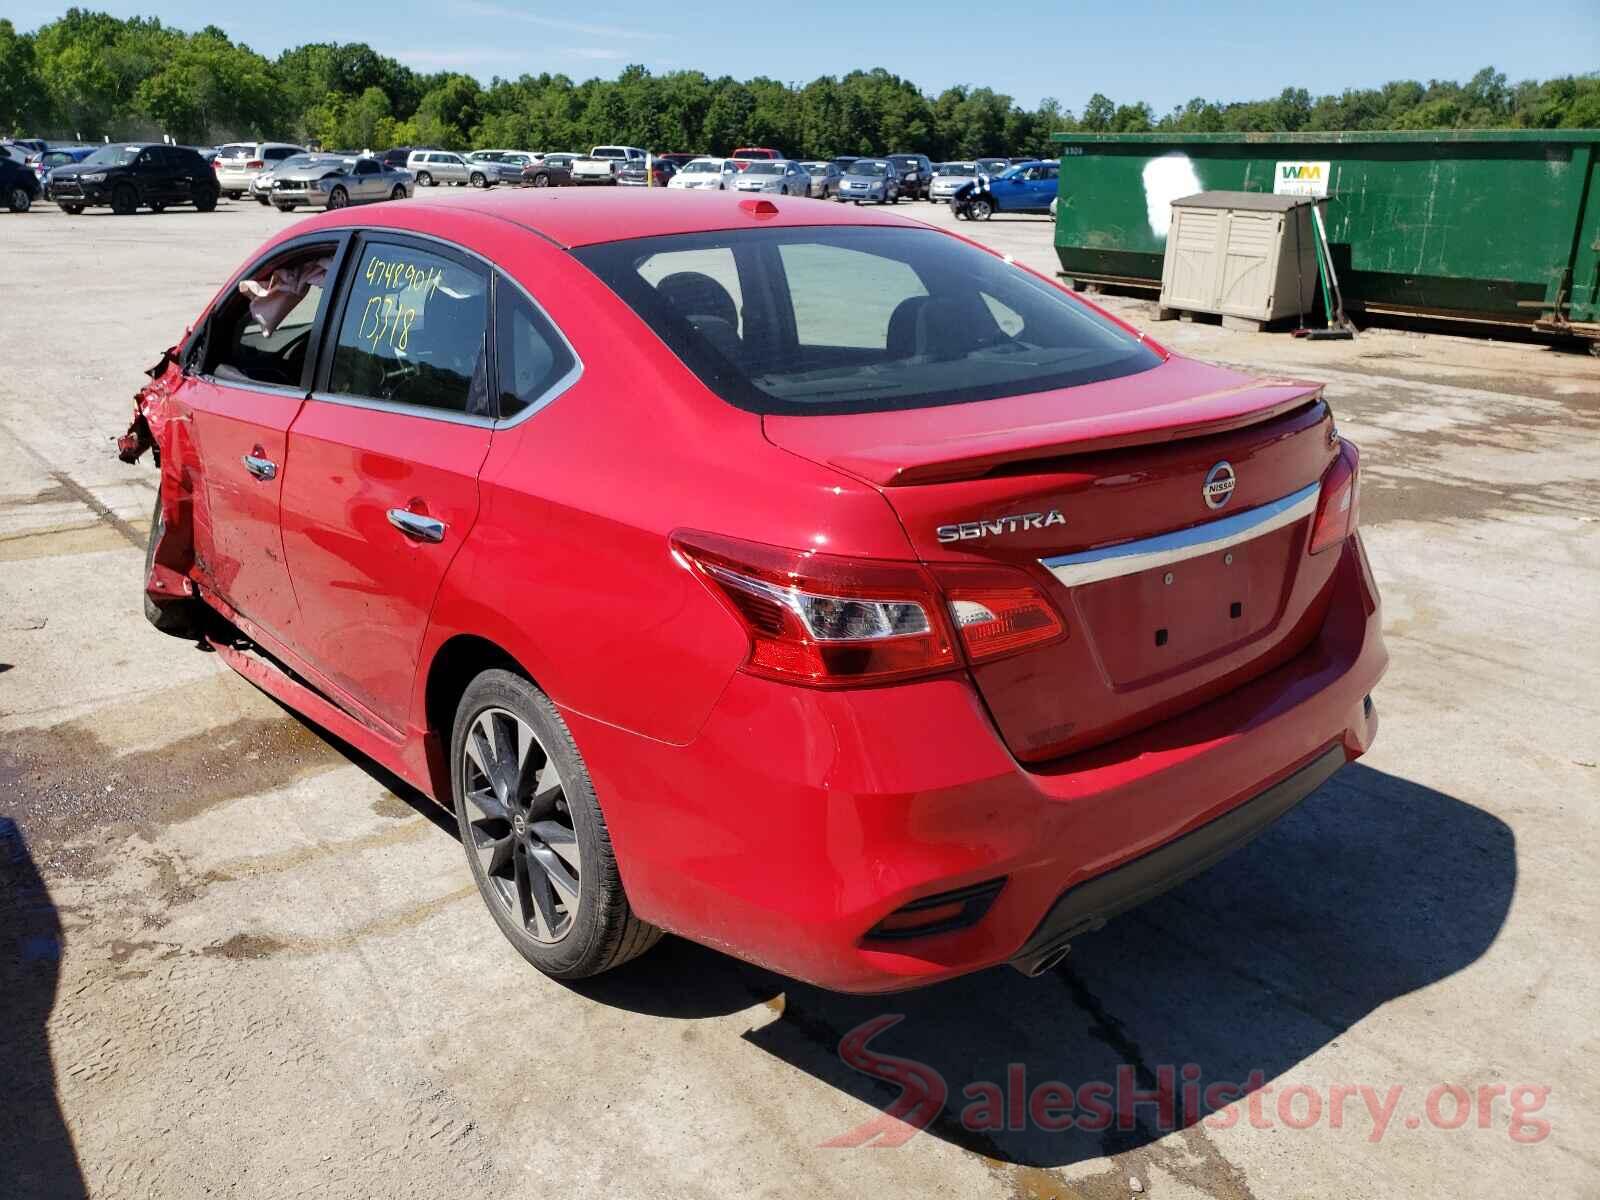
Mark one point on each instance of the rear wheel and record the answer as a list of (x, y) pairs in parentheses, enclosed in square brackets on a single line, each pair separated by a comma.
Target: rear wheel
[(179, 616), (536, 841), (205, 201), (20, 200), (541, 180), (124, 200)]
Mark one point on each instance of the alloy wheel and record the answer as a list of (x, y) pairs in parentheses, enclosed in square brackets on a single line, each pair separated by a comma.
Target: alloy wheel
[(520, 825)]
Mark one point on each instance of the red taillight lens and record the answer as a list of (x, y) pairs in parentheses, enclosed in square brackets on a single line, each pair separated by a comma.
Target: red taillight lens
[(255, 164), (1339, 504), (822, 619), (997, 610)]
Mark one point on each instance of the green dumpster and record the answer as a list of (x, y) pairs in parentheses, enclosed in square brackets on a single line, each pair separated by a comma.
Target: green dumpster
[(1499, 226)]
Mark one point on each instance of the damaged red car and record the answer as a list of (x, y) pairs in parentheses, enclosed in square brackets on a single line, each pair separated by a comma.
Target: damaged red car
[(807, 582)]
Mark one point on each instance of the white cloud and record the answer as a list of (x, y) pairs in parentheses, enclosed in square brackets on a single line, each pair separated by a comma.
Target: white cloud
[(503, 12)]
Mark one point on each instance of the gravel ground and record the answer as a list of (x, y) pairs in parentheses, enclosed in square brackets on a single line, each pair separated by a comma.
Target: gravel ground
[(239, 960)]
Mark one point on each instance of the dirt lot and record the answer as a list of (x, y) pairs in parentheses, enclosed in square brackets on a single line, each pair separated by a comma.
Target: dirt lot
[(237, 960)]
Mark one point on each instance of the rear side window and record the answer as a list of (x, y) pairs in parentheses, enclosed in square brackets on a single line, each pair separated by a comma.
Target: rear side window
[(532, 357), (414, 331), (828, 319)]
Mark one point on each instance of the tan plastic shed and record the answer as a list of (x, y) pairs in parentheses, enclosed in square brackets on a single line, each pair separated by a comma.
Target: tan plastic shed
[(1248, 256)]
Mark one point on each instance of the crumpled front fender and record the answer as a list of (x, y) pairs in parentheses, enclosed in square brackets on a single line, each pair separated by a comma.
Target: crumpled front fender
[(162, 424)]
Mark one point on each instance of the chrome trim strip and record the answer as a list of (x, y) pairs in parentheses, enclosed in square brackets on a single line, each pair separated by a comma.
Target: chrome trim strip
[(1129, 558), (449, 415)]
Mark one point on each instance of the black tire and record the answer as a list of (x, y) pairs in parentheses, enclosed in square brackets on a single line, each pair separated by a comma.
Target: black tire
[(478, 180), (399, 192), (205, 201), (541, 180), (424, 179), (124, 200), (603, 933), (263, 201), (284, 208), (979, 209), (338, 198), (72, 210), (20, 200), (180, 616), (158, 207), (233, 195)]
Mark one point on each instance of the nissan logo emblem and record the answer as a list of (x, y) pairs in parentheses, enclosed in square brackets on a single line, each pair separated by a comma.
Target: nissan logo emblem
[(1219, 485)]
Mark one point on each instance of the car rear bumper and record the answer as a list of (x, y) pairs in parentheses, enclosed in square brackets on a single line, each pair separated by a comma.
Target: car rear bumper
[(797, 820)]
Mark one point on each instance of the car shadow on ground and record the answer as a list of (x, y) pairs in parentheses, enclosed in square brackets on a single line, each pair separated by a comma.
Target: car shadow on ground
[(36, 1152), (1374, 887)]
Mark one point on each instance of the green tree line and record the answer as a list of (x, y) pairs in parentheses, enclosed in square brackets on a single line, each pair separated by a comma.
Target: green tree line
[(92, 75)]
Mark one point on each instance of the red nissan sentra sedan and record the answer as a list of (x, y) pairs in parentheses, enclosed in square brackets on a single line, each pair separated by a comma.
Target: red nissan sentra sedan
[(808, 582)]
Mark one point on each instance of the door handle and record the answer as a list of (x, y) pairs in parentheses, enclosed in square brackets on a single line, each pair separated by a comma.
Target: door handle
[(424, 529), (261, 468)]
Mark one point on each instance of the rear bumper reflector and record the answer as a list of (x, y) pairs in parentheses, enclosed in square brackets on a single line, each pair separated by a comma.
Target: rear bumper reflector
[(1129, 558), (939, 913)]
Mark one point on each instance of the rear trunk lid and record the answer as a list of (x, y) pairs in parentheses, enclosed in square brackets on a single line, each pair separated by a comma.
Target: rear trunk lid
[(1100, 493)]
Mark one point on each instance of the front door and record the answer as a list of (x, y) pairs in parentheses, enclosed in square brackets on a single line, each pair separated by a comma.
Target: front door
[(244, 393), (386, 455)]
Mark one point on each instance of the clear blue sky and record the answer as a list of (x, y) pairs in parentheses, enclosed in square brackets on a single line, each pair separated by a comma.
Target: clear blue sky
[(1163, 52)]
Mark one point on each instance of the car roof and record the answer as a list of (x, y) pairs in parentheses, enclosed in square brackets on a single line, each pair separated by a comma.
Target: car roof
[(590, 216)]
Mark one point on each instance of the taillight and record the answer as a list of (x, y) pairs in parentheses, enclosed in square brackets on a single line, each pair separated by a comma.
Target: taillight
[(822, 619), (831, 621), (1338, 507), (997, 610), (255, 164)]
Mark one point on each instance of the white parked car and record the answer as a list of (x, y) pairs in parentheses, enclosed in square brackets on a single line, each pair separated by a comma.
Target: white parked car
[(951, 177), (238, 163), (603, 163), (712, 174), (780, 176)]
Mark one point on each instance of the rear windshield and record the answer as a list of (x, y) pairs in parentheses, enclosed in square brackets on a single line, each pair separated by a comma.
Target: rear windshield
[(830, 319), (957, 169)]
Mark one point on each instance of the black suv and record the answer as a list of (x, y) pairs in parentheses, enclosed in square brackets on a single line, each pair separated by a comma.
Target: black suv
[(128, 175), (916, 173), (18, 186)]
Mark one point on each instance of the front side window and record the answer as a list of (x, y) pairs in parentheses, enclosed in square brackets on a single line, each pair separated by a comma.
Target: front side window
[(825, 319), (262, 333), (414, 331)]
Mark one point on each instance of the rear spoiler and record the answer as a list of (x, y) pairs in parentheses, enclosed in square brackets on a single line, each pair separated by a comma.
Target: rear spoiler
[(976, 455)]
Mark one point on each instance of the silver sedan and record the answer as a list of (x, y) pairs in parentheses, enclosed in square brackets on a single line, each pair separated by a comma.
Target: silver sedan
[(338, 182)]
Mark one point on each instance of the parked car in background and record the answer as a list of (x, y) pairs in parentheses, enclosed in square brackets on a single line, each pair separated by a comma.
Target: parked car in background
[(19, 186), (26, 147), (603, 164), (992, 166), (548, 170), (1027, 187), (948, 179), (237, 163), (396, 156), (874, 179), (825, 179), (501, 166), (57, 156), (635, 175), (843, 162), (678, 159), (928, 726), (778, 176), (916, 172), (432, 167), (131, 175), (326, 182), (749, 154), (261, 186), (705, 174)]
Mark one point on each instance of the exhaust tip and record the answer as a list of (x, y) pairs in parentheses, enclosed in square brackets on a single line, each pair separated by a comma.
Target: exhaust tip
[(1035, 965)]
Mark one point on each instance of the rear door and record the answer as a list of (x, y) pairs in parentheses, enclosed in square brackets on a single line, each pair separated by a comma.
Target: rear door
[(387, 451)]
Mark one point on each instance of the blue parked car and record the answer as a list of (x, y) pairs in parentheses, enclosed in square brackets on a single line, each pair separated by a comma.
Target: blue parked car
[(1026, 187), (58, 156)]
